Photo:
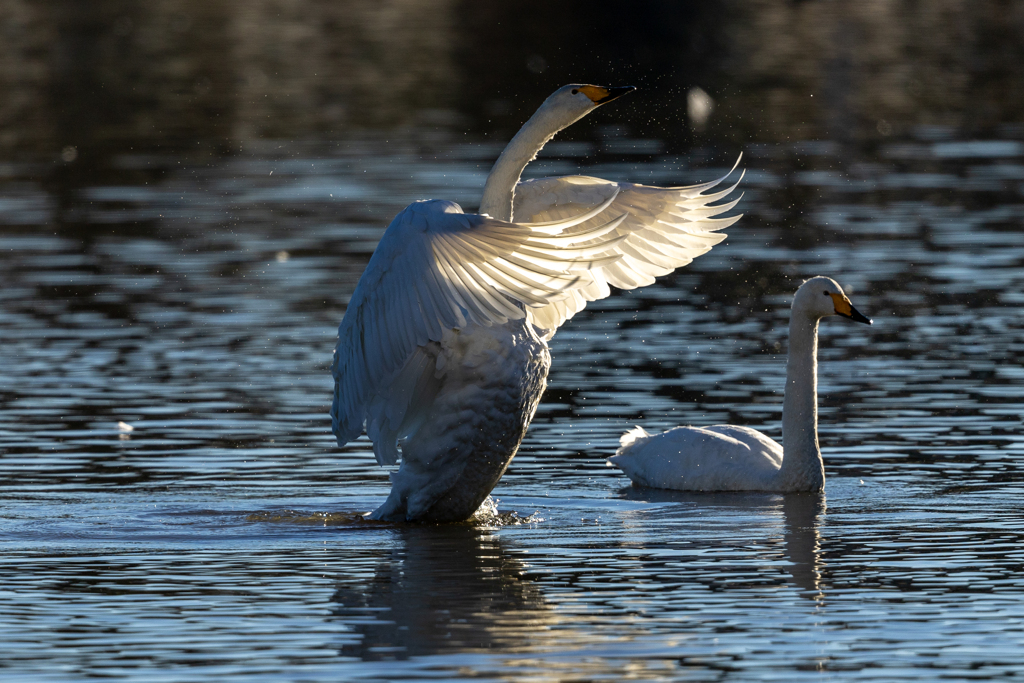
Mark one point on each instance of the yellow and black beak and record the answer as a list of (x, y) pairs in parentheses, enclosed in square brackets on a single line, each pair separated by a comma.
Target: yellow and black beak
[(599, 95), (845, 308)]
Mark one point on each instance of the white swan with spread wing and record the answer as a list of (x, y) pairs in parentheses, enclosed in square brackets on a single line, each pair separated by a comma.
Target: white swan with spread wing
[(731, 458), (442, 351)]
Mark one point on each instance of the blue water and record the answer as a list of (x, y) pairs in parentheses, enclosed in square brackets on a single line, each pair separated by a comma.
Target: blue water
[(222, 535)]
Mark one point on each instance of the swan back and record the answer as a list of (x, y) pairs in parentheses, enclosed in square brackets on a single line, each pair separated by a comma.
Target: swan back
[(717, 458)]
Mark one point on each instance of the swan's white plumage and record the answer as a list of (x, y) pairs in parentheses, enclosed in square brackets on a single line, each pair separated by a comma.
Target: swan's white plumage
[(717, 458), (665, 228), (442, 348), (733, 458), (438, 269)]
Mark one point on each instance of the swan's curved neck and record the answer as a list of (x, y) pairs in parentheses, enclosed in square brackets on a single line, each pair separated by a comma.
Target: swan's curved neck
[(521, 150), (802, 468)]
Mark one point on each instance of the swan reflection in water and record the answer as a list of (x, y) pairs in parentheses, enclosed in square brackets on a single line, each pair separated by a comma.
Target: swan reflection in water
[(801, 514), (441, 589)]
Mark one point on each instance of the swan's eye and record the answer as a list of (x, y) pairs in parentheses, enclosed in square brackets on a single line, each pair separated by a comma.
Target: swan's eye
[(825, 293), (575, 91)]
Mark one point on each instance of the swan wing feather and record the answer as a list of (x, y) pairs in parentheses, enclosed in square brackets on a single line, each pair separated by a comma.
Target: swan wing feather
[(659, 229), (437, 269)]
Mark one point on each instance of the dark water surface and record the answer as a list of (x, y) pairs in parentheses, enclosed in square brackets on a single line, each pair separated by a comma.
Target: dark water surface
[(173, 506), (221, 536)]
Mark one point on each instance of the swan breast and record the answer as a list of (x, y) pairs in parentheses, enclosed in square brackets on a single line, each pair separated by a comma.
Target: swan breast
[(464, 432)]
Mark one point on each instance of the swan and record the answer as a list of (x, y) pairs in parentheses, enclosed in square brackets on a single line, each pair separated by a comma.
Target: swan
[(732, 458), (442, 351)]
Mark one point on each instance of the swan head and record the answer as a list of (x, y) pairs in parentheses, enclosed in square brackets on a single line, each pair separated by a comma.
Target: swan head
[(572, 102), (822, 296)]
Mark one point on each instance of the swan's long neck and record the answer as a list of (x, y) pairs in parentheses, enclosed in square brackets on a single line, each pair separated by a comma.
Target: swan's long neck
[(501, 183), (802, 468)]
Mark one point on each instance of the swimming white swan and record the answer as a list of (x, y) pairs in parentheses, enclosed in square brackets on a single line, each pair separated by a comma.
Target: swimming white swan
[(731, 458), (443, 349)]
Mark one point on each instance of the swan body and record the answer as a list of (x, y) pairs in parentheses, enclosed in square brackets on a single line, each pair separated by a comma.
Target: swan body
[(442, 353), (479, 407), (732, 458)]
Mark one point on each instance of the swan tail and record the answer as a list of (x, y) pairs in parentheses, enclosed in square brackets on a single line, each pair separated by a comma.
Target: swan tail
[(626, 459), (628, 439)]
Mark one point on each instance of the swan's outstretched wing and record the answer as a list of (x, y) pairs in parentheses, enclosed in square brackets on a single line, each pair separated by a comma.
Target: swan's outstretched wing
[(438, 269), (665, 228)]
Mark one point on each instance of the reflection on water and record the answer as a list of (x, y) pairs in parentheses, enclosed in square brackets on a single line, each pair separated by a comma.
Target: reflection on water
[(441, 589), (88, 82), (200, 310), (178, 246), (801, 514)]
